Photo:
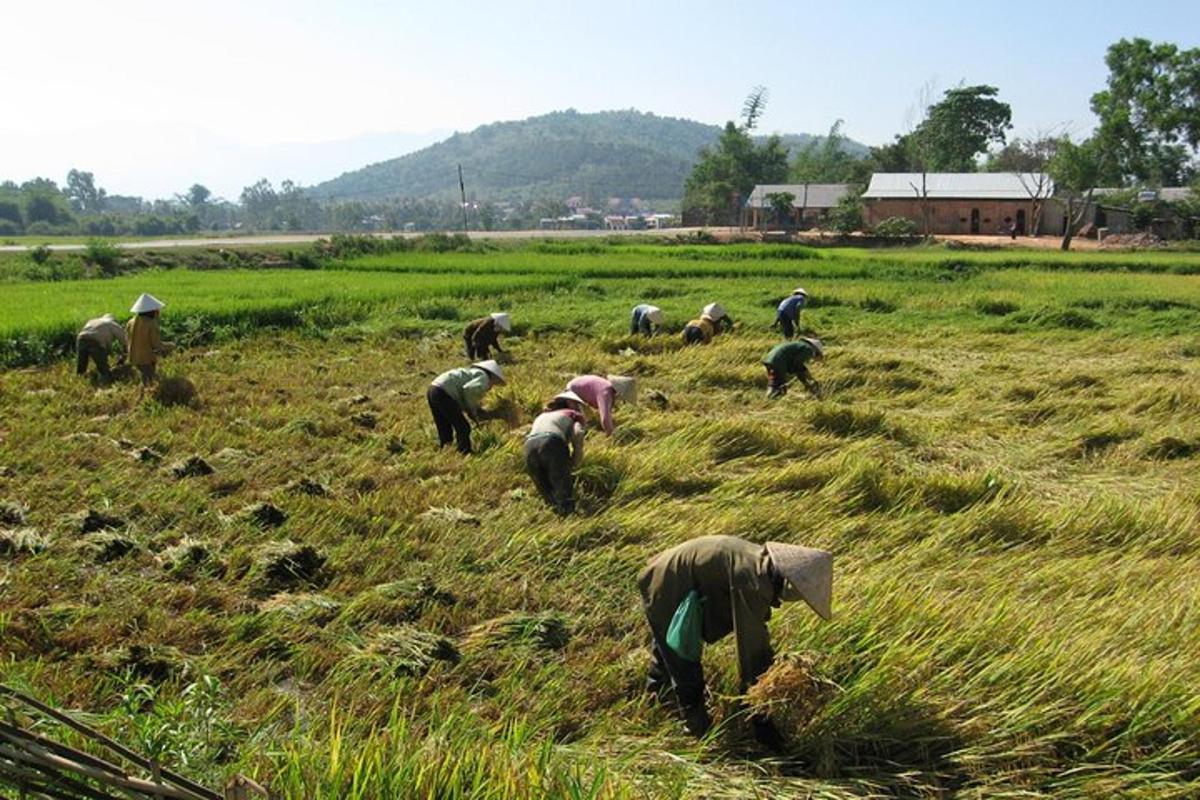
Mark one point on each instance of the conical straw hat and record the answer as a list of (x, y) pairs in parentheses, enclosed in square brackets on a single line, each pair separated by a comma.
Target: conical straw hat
[(625, 387), (492, 367), (504, 321), (569, 395), (713, 311), (655, 315), (147, 302), (808, 573)]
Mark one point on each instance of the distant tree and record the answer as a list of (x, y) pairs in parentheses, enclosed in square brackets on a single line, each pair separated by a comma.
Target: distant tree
[(781, 203), (1076, 169), (40, 208), (259, 201), (82, 192), (1150, 112), (197, 196), (847, 216), (960, 127), (11, 210), (754, 107), (1029, 159), (826, 160)]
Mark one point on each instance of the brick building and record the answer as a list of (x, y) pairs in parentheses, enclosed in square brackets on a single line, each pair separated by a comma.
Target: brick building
[(958, 202)]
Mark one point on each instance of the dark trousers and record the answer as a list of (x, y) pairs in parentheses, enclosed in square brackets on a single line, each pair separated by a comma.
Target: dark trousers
[(693, 335), (85, 349), (788, 324), (477, 352), (549, 464), (449, 419), (149, 373)]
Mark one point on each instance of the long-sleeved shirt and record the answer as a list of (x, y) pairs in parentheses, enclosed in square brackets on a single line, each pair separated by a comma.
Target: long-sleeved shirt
[(600, 394), (706, 327), (641, 322), (103, 331), (734, 578), (467, 386), (790, 307), (566, 425), (144, 341), (483, 332), (790, 358)]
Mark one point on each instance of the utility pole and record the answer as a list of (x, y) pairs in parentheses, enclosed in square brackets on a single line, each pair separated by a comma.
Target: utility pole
[(462, 192)]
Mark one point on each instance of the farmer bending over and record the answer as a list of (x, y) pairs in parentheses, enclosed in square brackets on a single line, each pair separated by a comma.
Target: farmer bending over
[(790, 360), (711, 586), (484, 333), (712, 321), (787, 315), (553, 448), (603, 393), (646, 320), (145, 342), (95, 342), (455, 392)]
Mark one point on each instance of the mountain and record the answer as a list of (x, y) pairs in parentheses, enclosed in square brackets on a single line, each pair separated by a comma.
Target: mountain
[(557, 155)]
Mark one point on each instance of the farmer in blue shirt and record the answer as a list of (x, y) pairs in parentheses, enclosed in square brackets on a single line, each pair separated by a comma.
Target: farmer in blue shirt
[(646, 320), (788, 313)]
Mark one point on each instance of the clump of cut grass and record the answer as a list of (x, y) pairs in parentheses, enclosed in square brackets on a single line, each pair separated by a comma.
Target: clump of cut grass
[(91, 520), (263, 515), (21, 541), (154, 663), (996, 308), (1098, 441), (108, 546), (189, 558), (175, 391), (405, 650), (543, 631), (847, 421), (732, 440), (286, 566), (1172, 447), (307, 607), (191, 467), (396, 602), (12, 513)]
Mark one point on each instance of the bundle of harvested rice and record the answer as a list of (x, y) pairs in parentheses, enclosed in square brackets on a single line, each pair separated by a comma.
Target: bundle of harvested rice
[(175, 391), (406, 650), (21, 541), (545, 631), (791, 693), (285, 566)]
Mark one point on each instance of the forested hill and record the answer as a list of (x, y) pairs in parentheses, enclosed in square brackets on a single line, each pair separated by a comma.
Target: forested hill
[(554, 156)]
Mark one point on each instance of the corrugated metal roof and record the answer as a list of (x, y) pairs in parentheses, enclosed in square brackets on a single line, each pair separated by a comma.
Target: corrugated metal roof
[(810, 195), (1173, 194), (958, 185)]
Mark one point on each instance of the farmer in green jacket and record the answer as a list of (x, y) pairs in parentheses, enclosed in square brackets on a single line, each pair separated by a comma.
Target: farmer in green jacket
[(457, 392), (789, 360), (736, 584)]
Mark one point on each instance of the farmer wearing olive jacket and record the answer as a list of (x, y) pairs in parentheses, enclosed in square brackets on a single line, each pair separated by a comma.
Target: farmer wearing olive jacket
[(790, 360), (484, 333), (712, 586), (457, 392)]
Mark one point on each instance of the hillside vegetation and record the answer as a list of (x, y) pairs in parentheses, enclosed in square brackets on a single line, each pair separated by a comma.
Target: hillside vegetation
[(1004, 465), (558, 155)]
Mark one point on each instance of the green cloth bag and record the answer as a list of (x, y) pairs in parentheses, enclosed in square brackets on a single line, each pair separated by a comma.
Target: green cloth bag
[(685, 635)]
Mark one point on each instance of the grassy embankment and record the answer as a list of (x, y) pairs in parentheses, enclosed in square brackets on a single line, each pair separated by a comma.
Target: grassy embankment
[(1004, 465)]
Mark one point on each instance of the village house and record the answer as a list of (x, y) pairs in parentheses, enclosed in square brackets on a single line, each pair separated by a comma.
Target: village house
[(811, 203), (959, 202)]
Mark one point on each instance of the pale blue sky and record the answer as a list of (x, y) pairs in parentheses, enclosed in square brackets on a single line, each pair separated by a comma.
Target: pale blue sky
[(148, 93)]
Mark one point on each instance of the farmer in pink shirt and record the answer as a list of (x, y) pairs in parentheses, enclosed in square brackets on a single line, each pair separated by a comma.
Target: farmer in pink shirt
[(602, 393)]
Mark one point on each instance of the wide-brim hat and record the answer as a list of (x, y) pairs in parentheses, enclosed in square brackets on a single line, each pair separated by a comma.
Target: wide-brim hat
[(807, 574), (504, 321), (815, 344), (625, 387), (800, 291), (147, 302), (713, 311), (655, 315), (569, 396), (492, 367)]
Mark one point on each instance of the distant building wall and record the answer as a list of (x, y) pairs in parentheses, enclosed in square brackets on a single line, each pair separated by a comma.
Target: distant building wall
[(958, 216)]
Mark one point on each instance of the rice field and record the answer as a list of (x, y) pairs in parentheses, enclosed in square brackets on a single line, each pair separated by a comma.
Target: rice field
[(1004, 465)]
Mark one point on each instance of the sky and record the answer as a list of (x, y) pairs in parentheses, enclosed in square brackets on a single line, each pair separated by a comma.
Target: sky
[(155, 96)]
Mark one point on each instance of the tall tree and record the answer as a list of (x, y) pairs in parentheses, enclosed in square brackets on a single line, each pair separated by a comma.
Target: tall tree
[(1029, 159), (197, 196), (825, 160), (1076, 169), (1150, 111), (82, 192), (727, 173), (960, 127)]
